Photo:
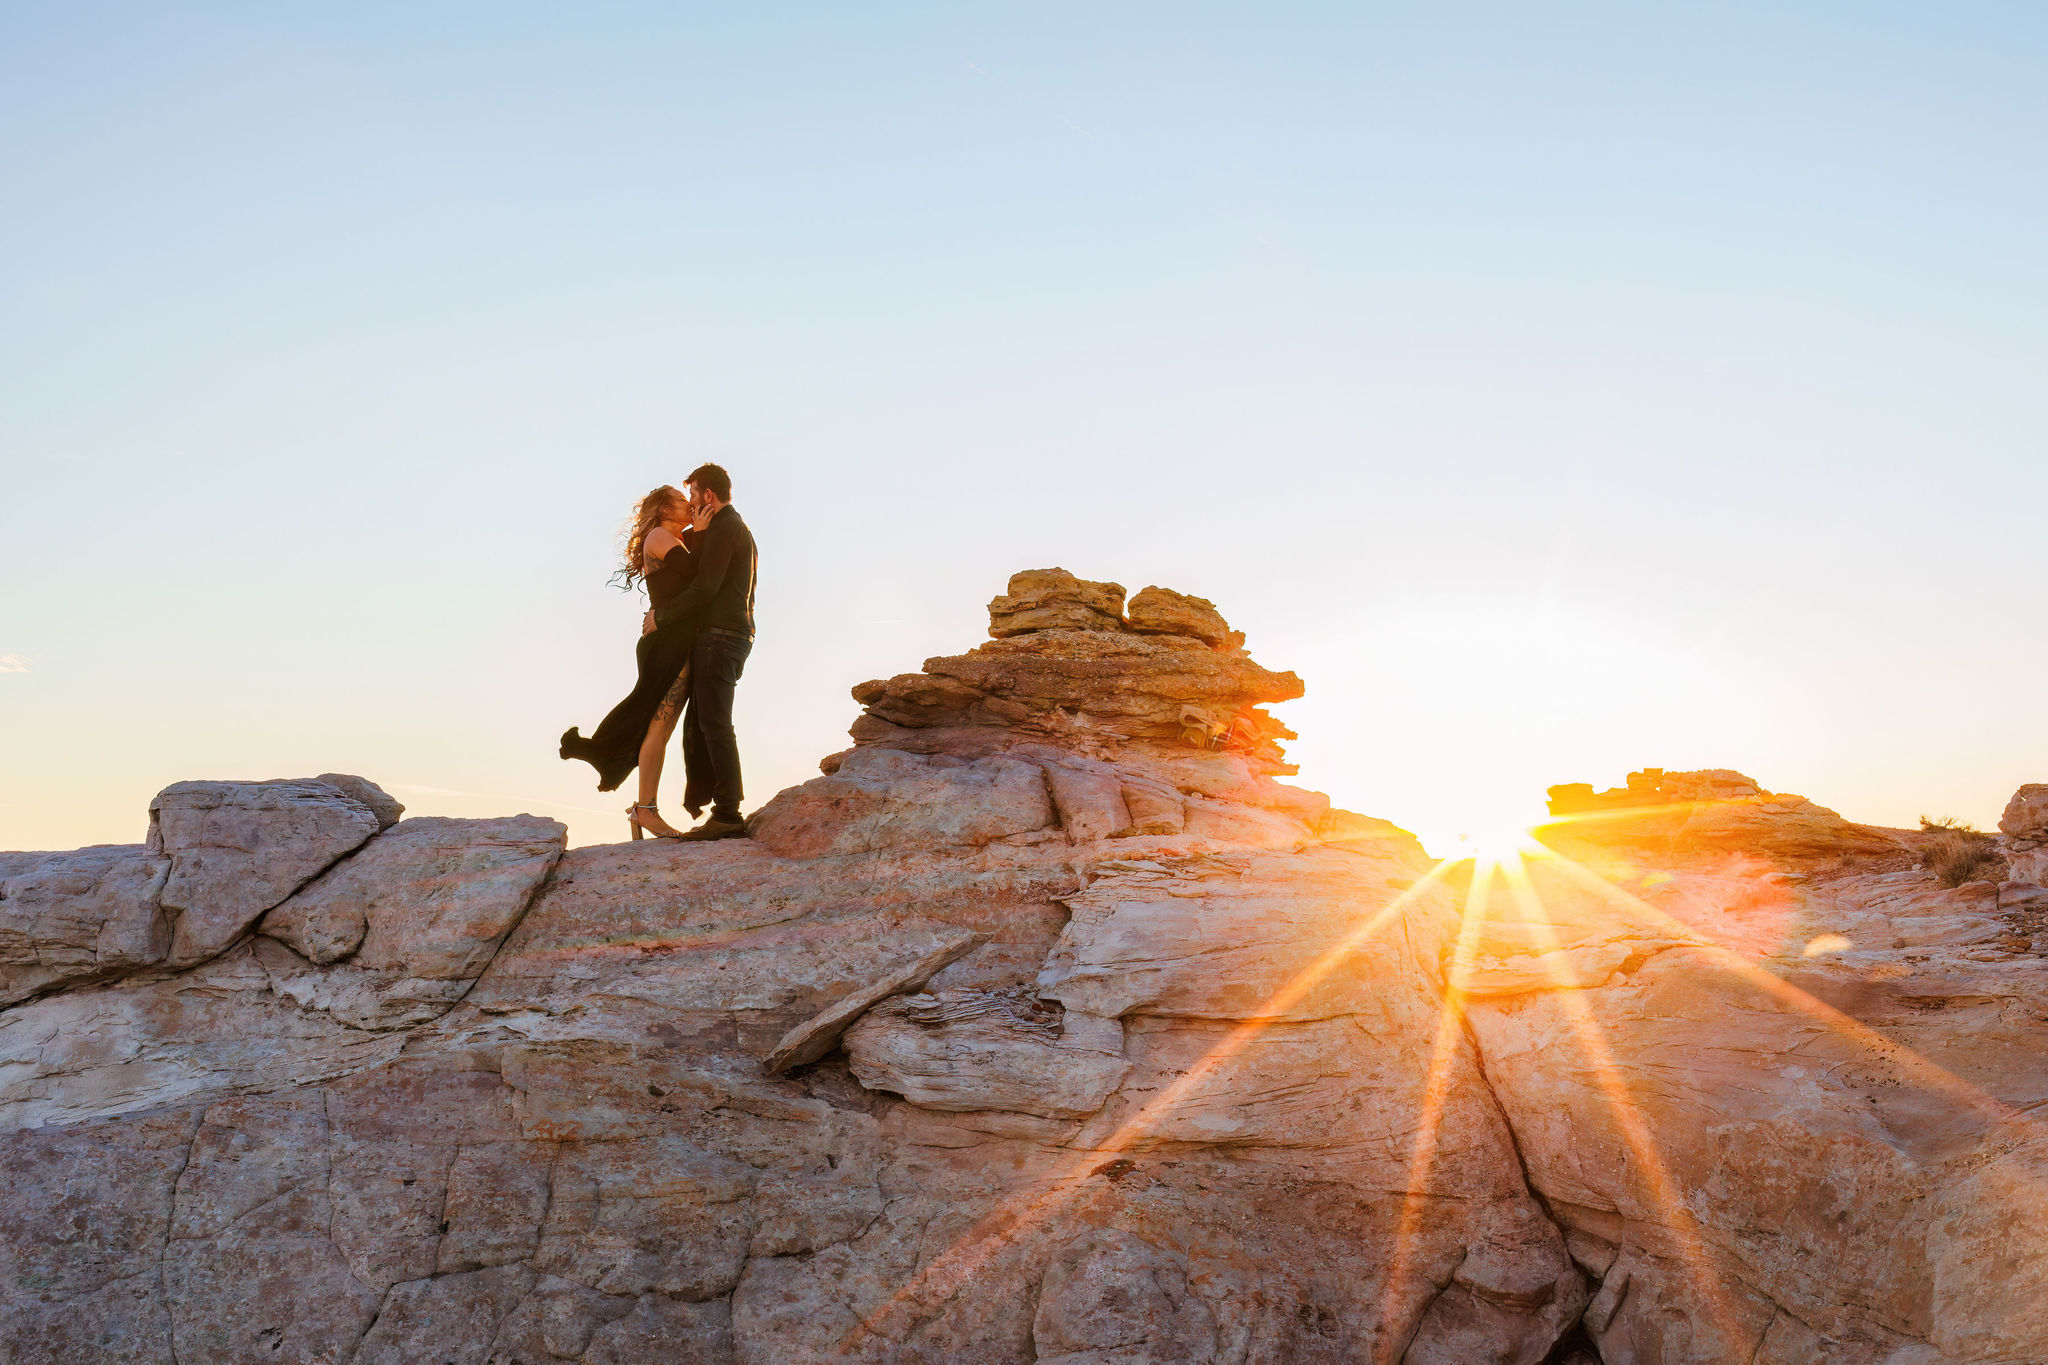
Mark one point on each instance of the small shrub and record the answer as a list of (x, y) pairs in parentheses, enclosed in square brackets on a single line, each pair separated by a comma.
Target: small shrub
[(1957, 853)]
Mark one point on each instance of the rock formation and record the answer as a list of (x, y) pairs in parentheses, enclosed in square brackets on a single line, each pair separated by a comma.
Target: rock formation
[(1774, 1082), (1044, 1025)]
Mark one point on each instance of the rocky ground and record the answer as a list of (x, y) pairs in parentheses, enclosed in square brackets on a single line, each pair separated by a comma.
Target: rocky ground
[(1045, 1025)]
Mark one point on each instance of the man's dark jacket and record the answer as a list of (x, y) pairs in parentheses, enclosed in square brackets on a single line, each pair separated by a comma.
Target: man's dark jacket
[(721, 592)]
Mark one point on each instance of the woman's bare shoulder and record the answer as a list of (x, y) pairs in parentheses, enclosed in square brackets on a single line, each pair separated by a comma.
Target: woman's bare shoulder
[(659, 542)]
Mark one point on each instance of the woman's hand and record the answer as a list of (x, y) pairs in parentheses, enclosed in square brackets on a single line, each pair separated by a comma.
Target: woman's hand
[(701, 518), (647, 622)]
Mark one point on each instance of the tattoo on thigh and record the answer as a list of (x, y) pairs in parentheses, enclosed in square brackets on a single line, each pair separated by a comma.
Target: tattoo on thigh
[(672, 704)]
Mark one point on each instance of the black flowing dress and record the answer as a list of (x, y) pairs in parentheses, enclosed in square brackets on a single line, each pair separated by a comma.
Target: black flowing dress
[(614, 750)]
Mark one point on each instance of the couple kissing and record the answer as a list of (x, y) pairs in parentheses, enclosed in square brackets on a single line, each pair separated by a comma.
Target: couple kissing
[(695, 556)]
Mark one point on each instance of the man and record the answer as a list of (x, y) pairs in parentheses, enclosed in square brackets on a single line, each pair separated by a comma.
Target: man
[(720, 602)]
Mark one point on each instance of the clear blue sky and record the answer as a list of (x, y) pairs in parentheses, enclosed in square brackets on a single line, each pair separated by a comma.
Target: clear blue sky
[(1559, 389)]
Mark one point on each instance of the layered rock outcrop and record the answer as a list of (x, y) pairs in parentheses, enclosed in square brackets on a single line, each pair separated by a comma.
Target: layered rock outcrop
[(1045, 1025)]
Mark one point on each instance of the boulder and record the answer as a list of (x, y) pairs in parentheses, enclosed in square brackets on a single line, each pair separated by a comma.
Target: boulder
[(68, 918), (1053, 599), (2026, 815), (1161, 611), (2025, 825), (238, 848), (381, 803), (1064, 670)]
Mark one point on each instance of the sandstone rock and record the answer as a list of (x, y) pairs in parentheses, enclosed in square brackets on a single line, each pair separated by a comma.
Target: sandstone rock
[(67, 918), (2026, 815), (1240, 1078), (432, 899), (816, 1036), (450, 1318), (1766, 1109), (676, 939), (582, 1161), (1161, 611), (1090, 803), (881, 798), (2029, 865), (1049, 599), (238, 848), (1230, 822), (965, 1051), (2025, 825), (418, 913), (1672, 815), (83, 1228), (381, 803), (250, 1269), (1154, 808), (664, 1329), (1114, 1297), (152, 1041), (1072, 676), (1128, 686), (1221, 939)]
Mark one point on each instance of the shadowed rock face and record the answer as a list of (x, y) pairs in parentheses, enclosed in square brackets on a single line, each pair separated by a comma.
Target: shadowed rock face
[(1044, 1026)]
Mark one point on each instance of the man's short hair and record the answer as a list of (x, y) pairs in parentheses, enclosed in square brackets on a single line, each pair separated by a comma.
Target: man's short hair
[(711, 478)]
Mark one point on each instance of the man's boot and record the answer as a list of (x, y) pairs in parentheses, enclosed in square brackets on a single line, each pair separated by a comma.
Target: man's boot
[(718, 827)]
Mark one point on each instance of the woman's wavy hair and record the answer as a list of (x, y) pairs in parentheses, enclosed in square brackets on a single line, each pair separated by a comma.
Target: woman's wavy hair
[(645, 518)]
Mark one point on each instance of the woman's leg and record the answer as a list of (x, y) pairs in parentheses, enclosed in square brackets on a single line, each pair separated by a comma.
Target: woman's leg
[(654, 749)]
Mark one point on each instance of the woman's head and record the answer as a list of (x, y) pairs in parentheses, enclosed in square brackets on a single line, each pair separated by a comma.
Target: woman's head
[(664, 504)]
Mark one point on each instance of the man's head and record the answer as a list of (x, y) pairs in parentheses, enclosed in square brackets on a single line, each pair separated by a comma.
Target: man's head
[(710, 486)]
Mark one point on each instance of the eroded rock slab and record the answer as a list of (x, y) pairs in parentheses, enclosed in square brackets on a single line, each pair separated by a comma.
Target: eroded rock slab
[(963, 1051), (819, 1034), (411, 920), (238, 848), (67, 918), (162, 1039)]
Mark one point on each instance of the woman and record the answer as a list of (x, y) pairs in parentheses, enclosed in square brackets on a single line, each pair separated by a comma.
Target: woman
[(637, 731)]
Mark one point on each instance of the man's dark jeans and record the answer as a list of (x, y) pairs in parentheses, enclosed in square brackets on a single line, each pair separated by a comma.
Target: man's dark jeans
[(711, 752)]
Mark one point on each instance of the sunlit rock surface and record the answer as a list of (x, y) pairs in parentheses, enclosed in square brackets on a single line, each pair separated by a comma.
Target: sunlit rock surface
[(1779, 1095), (1044, 1026)]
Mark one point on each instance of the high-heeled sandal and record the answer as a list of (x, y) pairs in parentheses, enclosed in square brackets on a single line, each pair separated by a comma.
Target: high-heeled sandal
[(633, 821)]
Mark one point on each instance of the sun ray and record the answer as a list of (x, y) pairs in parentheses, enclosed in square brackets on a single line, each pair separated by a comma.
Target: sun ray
[(1450, 1027), (1571, 998), (1929, 1072), (1019, 1214)]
